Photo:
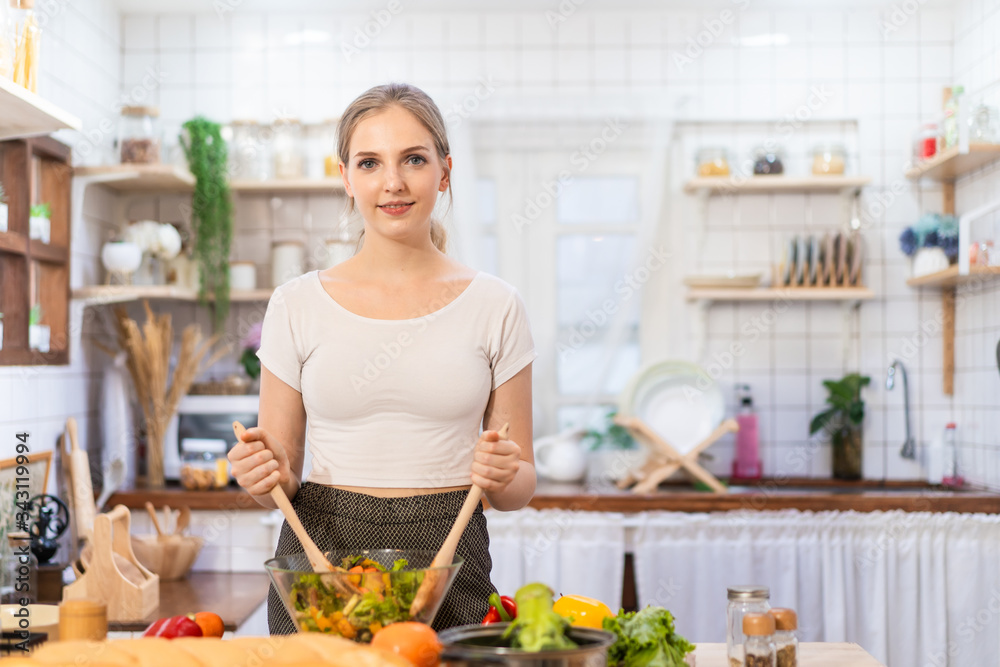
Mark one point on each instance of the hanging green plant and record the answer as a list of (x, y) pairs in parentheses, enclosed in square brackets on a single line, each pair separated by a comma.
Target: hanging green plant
[(212, 211)]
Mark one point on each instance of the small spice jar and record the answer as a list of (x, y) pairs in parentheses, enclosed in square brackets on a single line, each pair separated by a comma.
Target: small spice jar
[(743, 600), (139, 135), (829, 159), (713, 161), (925, 142), (786, 644), (287, 148), (760, 648), (322, 149), (768, 161)]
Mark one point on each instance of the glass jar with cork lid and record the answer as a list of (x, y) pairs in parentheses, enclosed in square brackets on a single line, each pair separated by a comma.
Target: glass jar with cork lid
[(760, 648), (743, 600), (139, 135), (829, 159)]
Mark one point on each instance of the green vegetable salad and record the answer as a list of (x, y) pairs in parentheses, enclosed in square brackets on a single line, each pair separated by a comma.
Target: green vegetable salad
[(374, 597)]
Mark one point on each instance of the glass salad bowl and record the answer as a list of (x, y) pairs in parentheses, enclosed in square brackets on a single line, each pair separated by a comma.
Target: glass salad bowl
[(369, 590)]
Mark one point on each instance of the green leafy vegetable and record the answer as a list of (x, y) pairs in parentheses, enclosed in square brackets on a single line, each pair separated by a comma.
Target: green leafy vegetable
[(646, 639), (537, 627), (383, 596)]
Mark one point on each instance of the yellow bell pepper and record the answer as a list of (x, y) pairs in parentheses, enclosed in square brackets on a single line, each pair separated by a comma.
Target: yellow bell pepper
[(582, 611)]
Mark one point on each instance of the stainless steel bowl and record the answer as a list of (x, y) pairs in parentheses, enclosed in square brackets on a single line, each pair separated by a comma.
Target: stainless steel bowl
[(471, 645)]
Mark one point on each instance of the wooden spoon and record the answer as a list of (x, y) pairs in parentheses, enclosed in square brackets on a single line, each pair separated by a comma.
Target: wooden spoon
[(317, 559), (183, 520), (434, 578), (152, 515), (168, 520)]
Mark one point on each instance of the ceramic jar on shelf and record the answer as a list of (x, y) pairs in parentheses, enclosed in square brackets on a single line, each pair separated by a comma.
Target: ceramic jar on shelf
[(287, 261)]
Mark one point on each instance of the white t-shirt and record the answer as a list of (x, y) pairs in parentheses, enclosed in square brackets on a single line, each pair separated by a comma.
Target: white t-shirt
[(395, 403)]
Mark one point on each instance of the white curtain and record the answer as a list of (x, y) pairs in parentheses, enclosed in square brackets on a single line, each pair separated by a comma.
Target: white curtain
[(581, 553), (912, 588)]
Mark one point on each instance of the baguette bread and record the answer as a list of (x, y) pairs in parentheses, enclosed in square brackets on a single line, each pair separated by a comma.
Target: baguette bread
[(299, 650)]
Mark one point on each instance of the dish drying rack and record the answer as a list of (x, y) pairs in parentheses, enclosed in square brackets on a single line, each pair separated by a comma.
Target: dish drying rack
[(665, 459)]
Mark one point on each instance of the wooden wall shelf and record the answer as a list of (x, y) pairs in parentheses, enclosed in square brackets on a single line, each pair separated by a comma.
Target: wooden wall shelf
[(950, 277), (95, 295), (25, 114), (140, 177), (951, 164), (711, 185), (782, 294), (296, 185)]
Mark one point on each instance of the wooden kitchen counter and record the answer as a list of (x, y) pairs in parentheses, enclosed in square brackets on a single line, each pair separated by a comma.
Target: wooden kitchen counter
[(811, 654), (811, 494), (232, 595)]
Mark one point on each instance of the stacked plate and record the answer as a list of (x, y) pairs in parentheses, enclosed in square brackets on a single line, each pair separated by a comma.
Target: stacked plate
[(826, 260), (678, 400)]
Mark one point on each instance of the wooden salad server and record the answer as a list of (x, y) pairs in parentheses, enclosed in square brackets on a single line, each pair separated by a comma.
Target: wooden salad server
[(434, 578), (317, 559)]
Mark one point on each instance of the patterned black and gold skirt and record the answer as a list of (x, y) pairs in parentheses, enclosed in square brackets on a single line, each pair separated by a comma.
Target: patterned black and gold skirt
[(342, 520)]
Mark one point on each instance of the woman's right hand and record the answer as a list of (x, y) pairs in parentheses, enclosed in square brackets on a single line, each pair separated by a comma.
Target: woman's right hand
[(259, 462)]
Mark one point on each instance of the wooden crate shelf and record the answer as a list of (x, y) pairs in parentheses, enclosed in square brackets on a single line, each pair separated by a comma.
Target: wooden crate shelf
[(32, 272)]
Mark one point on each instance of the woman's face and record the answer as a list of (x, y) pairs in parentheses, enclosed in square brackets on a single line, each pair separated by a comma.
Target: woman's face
[(394, 174)]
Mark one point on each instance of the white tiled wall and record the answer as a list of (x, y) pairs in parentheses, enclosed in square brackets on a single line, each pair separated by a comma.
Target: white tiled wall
[(977, 378), (80, 72), (882, 71)]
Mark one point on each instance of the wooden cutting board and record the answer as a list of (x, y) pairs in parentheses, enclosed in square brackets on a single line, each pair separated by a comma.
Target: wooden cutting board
[(811, 654)]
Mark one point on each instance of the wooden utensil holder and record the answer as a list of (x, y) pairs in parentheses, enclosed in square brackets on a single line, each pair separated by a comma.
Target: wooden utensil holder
[(128, 598)]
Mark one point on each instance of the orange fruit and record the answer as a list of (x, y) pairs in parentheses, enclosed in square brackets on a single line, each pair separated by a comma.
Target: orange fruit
[(412, 641), (210, 623)]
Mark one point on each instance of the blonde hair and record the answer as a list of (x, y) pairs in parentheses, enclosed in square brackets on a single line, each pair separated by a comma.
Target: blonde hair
[(418, 103)]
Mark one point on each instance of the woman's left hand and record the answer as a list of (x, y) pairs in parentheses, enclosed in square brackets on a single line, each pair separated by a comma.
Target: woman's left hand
[(495, 462)]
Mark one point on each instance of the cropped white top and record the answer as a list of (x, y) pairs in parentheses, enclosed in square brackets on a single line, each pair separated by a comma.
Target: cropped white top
[(395, 403)]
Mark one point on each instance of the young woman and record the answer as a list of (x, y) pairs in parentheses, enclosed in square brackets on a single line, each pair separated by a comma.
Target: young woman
[(395, 359)]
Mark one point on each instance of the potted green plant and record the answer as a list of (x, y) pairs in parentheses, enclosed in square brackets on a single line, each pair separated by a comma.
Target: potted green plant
[(614, 453), (211, 211), (844, 421), (39, 223), (38, 334), (3, 209)]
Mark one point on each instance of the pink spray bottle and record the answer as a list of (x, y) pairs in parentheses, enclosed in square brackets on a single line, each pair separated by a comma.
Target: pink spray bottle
[(746, 463)]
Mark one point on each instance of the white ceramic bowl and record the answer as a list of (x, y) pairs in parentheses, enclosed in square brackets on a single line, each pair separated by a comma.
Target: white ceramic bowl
[(41, 618), (121, 256)]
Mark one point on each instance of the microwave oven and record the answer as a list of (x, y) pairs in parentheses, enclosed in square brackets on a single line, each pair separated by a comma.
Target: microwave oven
[(204, 425)]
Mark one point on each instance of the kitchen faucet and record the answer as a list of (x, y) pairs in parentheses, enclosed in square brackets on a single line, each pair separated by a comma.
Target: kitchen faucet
[(909, 450)]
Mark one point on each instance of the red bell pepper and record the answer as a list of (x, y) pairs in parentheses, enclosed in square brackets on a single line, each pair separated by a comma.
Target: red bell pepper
[(174, 626), (502, 610)]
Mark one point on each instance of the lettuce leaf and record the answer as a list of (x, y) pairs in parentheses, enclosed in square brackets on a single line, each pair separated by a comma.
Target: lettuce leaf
[(646, 639)]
